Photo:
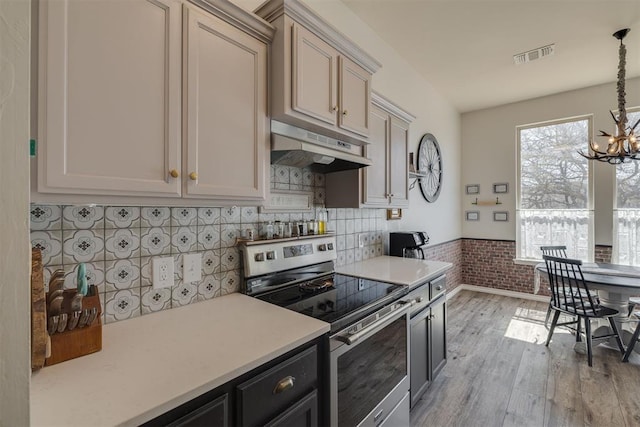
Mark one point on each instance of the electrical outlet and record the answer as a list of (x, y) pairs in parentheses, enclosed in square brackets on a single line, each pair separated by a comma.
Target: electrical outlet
[(361, 284), (192, 268), (162, 272), (361, 240)]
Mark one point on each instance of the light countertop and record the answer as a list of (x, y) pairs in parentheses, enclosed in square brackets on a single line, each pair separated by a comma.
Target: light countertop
[(151, 364), (402, 271)]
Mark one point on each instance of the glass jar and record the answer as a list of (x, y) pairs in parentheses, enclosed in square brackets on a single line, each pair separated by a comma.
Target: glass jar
[(268, 231)]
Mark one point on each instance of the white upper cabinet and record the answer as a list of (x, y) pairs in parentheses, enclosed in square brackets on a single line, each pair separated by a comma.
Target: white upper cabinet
[(109, 97), (226, 135), (320, 80), (153, 98)]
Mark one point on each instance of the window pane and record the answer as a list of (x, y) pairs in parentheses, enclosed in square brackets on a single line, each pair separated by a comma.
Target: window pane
[(555, 227), (626, 231), (552, 173)]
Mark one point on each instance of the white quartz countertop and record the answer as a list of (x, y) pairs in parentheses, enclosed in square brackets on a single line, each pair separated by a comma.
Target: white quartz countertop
[(151, 364), (401, 271)]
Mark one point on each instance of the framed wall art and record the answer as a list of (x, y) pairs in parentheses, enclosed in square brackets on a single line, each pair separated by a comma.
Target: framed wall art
[(472, 189), (394, 213), (500, 216), (472, 215), (501, 188)]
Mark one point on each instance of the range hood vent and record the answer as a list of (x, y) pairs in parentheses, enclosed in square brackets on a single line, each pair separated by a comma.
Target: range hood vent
[(293, 146)]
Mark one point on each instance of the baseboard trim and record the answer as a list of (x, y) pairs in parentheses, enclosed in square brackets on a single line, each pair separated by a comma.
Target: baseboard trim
[(503, 292)]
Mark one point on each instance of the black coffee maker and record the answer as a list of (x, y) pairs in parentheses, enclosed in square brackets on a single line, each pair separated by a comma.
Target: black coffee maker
[(407, 244)]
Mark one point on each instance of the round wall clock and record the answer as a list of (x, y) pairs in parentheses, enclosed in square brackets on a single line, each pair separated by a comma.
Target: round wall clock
[(430, 164)]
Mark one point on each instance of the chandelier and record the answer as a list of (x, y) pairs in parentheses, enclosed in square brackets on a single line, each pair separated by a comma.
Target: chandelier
[(624, 145)]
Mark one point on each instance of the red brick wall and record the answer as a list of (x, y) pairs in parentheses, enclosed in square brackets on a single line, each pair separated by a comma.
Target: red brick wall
[(448, 252), (603, 254)]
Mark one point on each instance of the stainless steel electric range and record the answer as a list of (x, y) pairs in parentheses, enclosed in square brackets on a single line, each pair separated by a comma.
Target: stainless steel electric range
[(368, 342)]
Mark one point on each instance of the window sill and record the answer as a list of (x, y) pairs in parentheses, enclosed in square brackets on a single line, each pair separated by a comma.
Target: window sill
[(527, 261)]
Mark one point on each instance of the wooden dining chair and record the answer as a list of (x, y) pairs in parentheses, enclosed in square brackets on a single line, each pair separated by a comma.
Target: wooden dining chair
[(634, 338), (557, 251), (570, 295)]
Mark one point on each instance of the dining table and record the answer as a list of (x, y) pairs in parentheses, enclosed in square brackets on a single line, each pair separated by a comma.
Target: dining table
[(615, 284)]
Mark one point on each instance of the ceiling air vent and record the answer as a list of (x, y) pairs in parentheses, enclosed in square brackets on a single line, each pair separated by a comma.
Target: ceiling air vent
[(534, 54)]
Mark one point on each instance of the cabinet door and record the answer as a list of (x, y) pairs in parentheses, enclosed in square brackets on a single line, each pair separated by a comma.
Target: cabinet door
[(375, 176), (398, 162), (438, 336), (226, 138), (314, 89), (214, 413), (355, 97), (419, 355), (109, 97), (302, 414)]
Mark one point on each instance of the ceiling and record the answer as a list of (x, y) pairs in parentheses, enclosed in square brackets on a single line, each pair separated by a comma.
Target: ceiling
[(465, 48)]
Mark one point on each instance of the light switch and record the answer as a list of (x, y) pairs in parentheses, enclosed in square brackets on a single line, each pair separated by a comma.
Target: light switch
[(192, 268)]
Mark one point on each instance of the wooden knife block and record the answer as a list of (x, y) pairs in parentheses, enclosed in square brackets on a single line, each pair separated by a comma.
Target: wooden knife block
[(81, 341)]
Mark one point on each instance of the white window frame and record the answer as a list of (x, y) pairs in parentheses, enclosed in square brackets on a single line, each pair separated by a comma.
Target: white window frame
[(590, 186), (614, 224)]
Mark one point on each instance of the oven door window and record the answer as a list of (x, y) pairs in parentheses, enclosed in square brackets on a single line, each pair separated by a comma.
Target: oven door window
[(370, 370)]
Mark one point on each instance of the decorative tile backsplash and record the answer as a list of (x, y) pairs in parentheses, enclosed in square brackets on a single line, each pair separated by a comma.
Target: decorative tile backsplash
[(117, 244)]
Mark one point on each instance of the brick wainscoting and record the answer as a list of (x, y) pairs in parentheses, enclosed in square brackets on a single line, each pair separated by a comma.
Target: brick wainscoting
[(448, 252), (489, 263)]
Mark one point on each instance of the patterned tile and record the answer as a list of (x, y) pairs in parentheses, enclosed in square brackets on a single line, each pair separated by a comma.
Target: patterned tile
[(121, 305), (208, 288), (229, 282), (281, 186), (122, 243), (295, 176), (228, 235), (210, 262), (155, 241), (184, 294), (281, 175), (146, 271), (181, 217), (82, 217), (208, 216), (230, 215), (121, 217), (184, 239), (249, 215), (208, 237), (155, 217), (177, 268), (341, 258), (45, 217), (349, 223), (122, 274), (82, 246), (94, 274), (50, 243), (357, 225), (358, 254), (308, 178), (155, 300), (350, 256), (229, 259), (319, 180), (350, 240), (341, 243), (341, 226)]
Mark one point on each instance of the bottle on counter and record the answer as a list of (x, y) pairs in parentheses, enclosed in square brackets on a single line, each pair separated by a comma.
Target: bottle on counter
[(269, 231), (322, 221)]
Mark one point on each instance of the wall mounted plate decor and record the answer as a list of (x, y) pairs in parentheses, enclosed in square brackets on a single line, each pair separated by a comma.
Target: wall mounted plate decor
[(501, 216), (394, 213), (501, 188), (472, 215), (472, 189), (430, 164)]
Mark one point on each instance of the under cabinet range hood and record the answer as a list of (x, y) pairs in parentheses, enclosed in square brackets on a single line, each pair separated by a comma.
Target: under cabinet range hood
[(294, 146)]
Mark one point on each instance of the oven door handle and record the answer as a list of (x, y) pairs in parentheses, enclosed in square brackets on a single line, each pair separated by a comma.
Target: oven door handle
[(351, 338)]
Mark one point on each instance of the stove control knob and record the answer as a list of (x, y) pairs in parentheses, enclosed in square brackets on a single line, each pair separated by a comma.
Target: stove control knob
[(259, 257), (322, 306), (330, 305), (419, 299), (330, 246), (271, 255), (322, 247)]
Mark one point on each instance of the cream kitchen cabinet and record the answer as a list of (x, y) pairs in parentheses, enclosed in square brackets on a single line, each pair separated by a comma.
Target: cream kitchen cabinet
[(152, 98), (385, 183), (320, 80)]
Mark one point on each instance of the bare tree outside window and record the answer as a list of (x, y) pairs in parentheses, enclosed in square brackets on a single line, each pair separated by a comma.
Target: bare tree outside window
[(554, 205), (626, 214)]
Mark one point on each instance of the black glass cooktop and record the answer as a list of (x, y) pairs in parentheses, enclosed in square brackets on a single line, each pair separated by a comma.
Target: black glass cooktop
[(335, 298)]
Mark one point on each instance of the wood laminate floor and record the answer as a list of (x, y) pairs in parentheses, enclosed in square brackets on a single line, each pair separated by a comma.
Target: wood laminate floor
[(499, 372)]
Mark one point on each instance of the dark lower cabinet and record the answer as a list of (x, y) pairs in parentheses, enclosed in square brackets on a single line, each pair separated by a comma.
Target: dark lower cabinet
[(287, 391), (428, 347)]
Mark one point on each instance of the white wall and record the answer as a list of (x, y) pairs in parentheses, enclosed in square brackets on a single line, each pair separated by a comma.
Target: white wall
[(489, 153), (15, 361), (400, 83)]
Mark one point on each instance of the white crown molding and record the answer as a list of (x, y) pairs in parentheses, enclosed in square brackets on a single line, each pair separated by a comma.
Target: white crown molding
[(387, 105), (238, 17), (300, 13)]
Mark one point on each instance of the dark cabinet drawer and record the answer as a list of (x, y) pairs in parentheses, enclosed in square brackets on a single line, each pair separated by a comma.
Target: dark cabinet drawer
[(302, 414), (215, 413), (270, 393), (437, 287)]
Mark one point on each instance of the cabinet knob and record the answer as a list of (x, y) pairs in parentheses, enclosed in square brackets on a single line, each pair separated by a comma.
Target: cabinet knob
[(174, 173), (284, 385), (193, 176), (335, 108), (345, 112)]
